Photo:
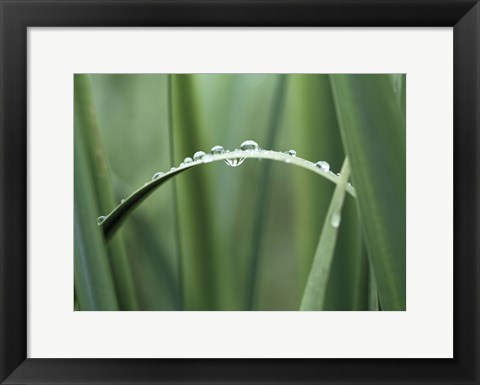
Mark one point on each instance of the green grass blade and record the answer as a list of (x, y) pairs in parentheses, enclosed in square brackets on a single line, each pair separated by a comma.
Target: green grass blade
[(86, 124), (316, 287), (372, 292), (361, 283), (114, 219), (196, 225), (180, 269), (263, 191), (373, 133), (399, 84), (132, 117), (93, 280)]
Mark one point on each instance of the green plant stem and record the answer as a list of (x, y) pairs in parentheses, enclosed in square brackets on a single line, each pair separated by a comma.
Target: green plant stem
[(94, 286), (316, 287), (87, 127), (180, 299), (263, 190), (373, 134)]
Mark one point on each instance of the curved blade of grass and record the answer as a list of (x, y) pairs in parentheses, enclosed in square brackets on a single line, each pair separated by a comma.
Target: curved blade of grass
[(262, 191), (86, 125), (180, 299), (316, 287), (373, 134), (112, 221), (93, 280)]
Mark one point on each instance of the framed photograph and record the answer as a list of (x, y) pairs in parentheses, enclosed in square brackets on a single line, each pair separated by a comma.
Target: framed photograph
[(239, 192)]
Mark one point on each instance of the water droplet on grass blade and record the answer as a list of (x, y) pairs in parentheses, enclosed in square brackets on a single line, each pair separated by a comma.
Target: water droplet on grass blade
[(101, 219), (336, 219), (122, 201), (207, 158), (217, 150), (187, 160), (157, 175), (324, 166), (173, 169), (249, 145), (198, 155), (292, 152)]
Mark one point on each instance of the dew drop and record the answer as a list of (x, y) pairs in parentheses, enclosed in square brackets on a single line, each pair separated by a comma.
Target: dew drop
[(292, 152), (338, 174), (101, 219), (187, 160), (249, 145), (207, 158), (336, 219), (122, 201), (198, 155), (173, 169), (217, 150), (157, 175), (323, 165)]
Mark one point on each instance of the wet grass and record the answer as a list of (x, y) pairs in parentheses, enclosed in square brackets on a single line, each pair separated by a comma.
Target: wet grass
[(258, 236)]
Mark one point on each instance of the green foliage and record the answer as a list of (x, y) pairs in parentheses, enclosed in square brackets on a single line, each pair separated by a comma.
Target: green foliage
[(316, 287), (223, 238), (373, 131)]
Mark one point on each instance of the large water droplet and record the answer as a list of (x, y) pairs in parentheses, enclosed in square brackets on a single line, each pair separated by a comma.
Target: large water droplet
[(157, 175), (249, 145), (217, 150), (336, 219), (101, 219), (198, 155), (292, 152), (187, 160), (323, 165), (207, 158)]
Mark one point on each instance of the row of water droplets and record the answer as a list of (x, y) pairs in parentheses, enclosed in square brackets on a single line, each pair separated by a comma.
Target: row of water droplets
[(249, 146)]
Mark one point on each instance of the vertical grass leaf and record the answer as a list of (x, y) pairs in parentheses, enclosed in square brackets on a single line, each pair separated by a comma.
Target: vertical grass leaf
[(93, 280), (373, 134), (263, 190), (316, 288), (86, 125)]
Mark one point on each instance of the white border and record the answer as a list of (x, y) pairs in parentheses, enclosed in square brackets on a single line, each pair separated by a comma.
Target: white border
[(425, 330)]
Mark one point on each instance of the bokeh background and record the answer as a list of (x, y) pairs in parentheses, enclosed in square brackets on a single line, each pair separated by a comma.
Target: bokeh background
[(216, 237)]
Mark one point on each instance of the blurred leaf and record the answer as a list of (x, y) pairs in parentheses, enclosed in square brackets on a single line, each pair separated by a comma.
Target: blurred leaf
[(263, 191), (86, 125), (132, 115), (93, 280), (373, 132)]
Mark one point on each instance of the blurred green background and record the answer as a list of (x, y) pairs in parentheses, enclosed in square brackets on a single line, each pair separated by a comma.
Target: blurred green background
[(214, 237)]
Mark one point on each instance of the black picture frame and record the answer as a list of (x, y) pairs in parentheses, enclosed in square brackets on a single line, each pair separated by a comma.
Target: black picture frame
[(18, 15)]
